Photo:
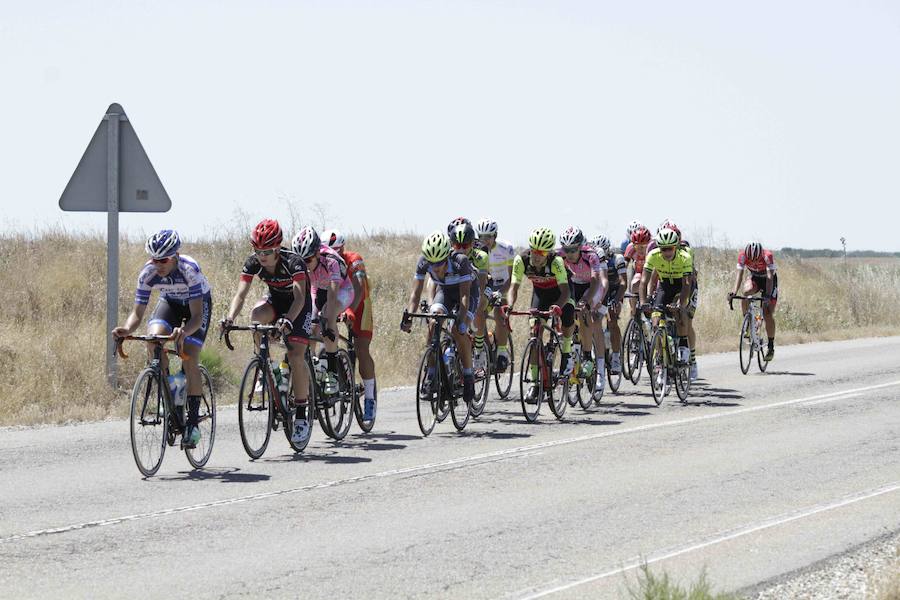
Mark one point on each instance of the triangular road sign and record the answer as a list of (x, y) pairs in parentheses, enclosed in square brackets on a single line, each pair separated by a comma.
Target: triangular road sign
[(140, 189)]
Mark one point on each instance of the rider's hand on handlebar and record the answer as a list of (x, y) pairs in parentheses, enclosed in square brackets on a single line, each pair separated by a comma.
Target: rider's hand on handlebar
[(178, 336), (224, 323), (405, 323), (556, 310), (731, 296), (120, 332), (646, 309), (284, 325)]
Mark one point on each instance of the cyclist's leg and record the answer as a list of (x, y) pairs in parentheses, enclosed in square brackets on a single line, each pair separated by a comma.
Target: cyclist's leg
[(363, 330), (298, 339), (769, 317), (265, 312), (192, 345)]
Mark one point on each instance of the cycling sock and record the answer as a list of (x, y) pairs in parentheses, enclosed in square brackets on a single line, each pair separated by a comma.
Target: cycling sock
[(771, 342), (193, 403), (566, 344), (693, 355), (300, 413), (468, 373), (502, 349), (601, 366), (479, 343), (369, 386), (331, 357)]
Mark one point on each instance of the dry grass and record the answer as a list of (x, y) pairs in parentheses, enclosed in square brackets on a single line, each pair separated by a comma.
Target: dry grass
[(52, 335), (885, 584)]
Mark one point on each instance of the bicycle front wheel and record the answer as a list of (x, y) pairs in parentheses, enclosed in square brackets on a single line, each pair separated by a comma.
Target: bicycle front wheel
[(288, 417), (558, 388), (199, 455), (531, 381), (658, 363), (482, 387), (459, 408), (683, 380), (427, 390), (745, 349), (149, 422), (633, 350), (338, 413), (614, 379), (255, 409), (504, 380)]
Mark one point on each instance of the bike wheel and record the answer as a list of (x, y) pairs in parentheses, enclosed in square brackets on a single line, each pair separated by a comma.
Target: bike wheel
[(324, 404), (427, 393), (503, 381), (359, 397), (683, 381), (443, 402), (614, 379), (206, 422), (287, 416), (482, 388), (659, 376), (761, 362), (340, 413), (586, 389), (745, 350), (558, 388), (633, 349), (459, 408), (530, 408), (149, 422), (255, 409)]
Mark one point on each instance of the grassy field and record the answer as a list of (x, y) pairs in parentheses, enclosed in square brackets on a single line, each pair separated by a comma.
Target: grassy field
[(52, 334)]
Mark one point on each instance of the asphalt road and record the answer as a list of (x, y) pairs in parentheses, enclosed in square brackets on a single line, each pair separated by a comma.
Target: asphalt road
[(757, 476)]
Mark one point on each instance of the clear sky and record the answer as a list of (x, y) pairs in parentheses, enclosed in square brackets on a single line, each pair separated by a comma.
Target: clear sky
[(777, 120)]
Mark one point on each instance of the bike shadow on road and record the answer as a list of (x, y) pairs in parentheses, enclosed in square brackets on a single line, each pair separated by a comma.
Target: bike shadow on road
[(318, 455), (792, 373), (224, 475), (491, 434)]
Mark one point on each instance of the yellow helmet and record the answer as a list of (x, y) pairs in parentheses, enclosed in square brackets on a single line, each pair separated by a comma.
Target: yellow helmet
[(436, 247), (542, 239)]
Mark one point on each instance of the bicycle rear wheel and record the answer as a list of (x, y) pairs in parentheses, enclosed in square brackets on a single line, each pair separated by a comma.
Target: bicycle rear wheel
[(199, 455), (659, 378), (149, 422), (586, 389), (427, 391), (614, 379), (255, 414), (287, 416), (359, 398), (503, 380), (482, 388), (558, 388), (530, 407), (745, 349), (459, 408), (339, 412), (683, 381), (632, 348)]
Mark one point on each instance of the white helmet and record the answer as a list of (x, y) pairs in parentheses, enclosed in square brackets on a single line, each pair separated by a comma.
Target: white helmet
[(333, 238), (163, 244), (486, 227), (572, 236), (753, 250), (633, 226), (602, 243), (306, 243)]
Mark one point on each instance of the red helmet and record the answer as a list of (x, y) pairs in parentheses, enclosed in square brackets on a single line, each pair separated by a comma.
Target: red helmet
[(267, 234), (671, 225), (641, 235)]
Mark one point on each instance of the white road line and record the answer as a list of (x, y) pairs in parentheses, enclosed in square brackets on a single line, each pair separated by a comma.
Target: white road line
[(721, 537), (439, 466)]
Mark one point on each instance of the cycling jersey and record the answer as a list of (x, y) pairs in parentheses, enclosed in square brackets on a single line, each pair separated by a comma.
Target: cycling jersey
[(185, 283), (290, 268), (459, 270), (615, 266), (551, 275), (682, 264), (356, 265), (638, 255), (588, 263), (764, 263), (479, 260), (500, 259)]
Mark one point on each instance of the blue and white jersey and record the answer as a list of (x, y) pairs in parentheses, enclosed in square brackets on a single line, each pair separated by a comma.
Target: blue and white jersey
[(183, 284), (459, 270)]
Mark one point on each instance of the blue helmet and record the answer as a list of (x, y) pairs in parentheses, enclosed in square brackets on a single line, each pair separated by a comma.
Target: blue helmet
[(163, 244)]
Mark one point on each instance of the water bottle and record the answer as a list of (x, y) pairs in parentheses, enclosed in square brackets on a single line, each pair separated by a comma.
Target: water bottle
[(284, 381), (173, 387), (576, 354), (180, 382), (276, 373), (319, 367)]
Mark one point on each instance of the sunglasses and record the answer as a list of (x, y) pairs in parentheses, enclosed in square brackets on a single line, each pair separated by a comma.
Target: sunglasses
[(571, 249), (269, 252), (539, 252), (309, 259), (666, 248), (161, 261)]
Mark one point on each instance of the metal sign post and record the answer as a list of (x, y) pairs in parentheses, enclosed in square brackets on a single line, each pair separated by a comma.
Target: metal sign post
[(114, 175)]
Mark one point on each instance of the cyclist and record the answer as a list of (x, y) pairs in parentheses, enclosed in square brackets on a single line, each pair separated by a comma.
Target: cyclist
[(632, 227), (457, 289), (332, 293), (670, 266), (183, 310), (550, 279), (588, 282), (695, 293), (635, 254), (616, 274), (500, 261), (360, 313), (287, 305), (763, 278), (463, 240)]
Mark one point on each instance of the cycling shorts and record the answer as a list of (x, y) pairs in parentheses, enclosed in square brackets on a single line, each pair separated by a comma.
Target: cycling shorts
[(302, 326), (759, 281), (172, 315), (361, 316), (544, 298)]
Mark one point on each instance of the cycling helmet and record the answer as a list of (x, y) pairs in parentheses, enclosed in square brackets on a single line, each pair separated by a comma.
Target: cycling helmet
[(670, 224), (666, 237), (753, 251), (163, 244), (455, 222), (463, 234), (572, 236), (634, 225), (486, 227), (542, 239), (333, 238), (641, 235), (266, 235), (602, 242), (436, 247), (306, 243)]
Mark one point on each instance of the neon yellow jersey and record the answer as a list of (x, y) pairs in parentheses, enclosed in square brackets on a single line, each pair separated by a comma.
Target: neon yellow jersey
[(552, 274), (479, 260), (681, 264)]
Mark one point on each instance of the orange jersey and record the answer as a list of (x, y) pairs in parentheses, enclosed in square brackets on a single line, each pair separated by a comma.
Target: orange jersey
[(355, 264)]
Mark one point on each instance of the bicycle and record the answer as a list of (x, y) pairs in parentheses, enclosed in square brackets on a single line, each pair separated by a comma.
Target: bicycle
[(584, 374), (442, 391), (636, 345), (156, 418), (614, 380), (265, 399), (359, 393), (334, 407), (665, 363), (750, 340), (548, 381)]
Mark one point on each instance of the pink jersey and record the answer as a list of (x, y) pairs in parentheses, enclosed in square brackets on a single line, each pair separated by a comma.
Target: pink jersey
[(587, 264), (638, 256), (757, 267), (331, 269)]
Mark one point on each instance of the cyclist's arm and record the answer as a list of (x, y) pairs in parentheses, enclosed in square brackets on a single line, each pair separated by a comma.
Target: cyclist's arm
[(464, 293), (332, 305), (196, 321), (299, 289), (598, 281), (562, 279), (620, 294), (737, 280), (418, 284), (770, 283), (564, 294), (685, 295), (512, 294), (648, 278), (134, 319), (237, 303)]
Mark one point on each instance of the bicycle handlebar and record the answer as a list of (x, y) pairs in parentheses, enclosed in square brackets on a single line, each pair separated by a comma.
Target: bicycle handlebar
[(254, 327), (145, 338), (749, 298)]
